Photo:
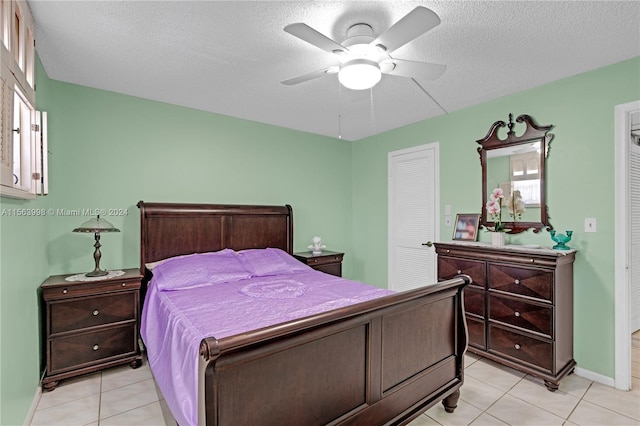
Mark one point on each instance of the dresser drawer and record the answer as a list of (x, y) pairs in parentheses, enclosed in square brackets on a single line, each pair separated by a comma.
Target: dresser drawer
[(79, 350), (88, 312), (476, 331), (534, 283), (449, 267), (474, 301), (521, 314), (523, 348)]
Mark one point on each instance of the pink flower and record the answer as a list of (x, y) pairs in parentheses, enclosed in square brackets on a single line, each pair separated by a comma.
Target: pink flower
[(497, 194), (493, 207)]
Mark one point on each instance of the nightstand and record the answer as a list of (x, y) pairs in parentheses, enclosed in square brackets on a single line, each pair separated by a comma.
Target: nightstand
[(327, 261), (90, 325)]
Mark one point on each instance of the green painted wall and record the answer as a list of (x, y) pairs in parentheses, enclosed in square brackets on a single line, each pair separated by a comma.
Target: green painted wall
[(23, 267), (580, 171), (109, 151)]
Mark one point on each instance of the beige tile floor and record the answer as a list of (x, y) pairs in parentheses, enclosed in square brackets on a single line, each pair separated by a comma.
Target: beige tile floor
[(491, 395)]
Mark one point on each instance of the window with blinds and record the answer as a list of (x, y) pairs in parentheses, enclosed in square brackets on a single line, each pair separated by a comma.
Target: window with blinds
[(525, 177)]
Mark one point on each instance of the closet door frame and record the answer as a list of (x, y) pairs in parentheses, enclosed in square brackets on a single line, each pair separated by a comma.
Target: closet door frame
[(622, 379)]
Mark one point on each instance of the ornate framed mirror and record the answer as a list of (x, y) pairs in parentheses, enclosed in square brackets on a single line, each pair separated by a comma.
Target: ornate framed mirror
[(517, 166)]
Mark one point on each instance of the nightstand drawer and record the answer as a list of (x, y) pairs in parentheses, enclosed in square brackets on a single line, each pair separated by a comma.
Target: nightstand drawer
[(89, 312), (535, 283), (521, 314), (79, 350), (523, 348), (323, 260), (79, 288)]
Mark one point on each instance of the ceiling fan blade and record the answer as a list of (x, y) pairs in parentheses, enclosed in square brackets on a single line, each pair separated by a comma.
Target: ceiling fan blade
[(413, 24), (308, 34), (310, 76), (413, 69)]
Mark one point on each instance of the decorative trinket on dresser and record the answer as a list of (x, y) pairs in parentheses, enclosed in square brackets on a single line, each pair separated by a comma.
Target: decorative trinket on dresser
[(561, 240)]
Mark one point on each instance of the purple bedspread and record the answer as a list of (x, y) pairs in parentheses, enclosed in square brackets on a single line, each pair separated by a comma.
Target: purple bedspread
[(174, 322)]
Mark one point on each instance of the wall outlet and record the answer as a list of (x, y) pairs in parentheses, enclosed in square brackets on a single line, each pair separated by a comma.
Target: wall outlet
[(590, 224), (447, 221)]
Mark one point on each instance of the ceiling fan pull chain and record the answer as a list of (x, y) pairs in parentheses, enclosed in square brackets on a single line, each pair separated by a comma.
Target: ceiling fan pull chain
[(339, 110), (373, 118)]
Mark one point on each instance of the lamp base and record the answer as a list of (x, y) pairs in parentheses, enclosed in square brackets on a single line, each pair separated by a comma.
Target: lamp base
[(96, 273)]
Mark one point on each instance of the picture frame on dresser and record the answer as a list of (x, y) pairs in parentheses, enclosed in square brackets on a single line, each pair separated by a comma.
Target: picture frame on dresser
[(466, 227)]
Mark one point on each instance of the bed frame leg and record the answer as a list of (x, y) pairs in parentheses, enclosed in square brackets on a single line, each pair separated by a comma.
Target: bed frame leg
[(451, 402)]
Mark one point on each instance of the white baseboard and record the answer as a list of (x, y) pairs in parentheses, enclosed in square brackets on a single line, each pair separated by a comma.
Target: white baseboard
[(596, 377), (33, 407)]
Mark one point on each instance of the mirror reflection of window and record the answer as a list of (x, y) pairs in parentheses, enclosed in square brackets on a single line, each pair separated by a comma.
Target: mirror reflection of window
[(525, 177)]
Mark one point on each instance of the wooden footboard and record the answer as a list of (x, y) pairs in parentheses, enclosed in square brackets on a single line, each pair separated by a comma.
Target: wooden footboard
[(379, 362)]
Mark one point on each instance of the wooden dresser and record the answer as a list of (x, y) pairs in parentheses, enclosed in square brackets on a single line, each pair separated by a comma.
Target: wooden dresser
[(90, 325), (519, 307), (329, 262)]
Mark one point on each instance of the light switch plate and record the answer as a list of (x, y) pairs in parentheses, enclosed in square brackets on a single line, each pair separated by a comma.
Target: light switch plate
[(590, 224)]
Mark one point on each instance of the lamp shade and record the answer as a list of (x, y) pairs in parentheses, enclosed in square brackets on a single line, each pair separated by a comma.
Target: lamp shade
[(360, 74), (96, 225)]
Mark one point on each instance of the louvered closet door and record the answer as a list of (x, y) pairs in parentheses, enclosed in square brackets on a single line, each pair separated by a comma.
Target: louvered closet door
[(413, 216), (634, 202)]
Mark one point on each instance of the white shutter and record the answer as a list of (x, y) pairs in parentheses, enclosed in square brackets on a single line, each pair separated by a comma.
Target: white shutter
[(634, 228)]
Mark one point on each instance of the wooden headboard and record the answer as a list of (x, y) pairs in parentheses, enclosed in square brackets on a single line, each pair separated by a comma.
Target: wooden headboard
[(172, 229)]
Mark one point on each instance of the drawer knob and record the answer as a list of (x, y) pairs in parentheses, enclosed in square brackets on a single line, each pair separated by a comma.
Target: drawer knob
[(95, 313), (459, 272), (448, 251), (336, 258), (65, 291), (517, 314), (95, 347), (516, 282), (124, 284), (533, 260), (517, 346)]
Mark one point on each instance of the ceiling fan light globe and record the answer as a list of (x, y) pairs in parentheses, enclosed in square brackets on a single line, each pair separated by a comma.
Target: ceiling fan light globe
[(360, 74)]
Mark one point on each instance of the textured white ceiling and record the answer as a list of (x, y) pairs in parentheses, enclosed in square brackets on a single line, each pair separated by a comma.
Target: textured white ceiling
[(229, 57)]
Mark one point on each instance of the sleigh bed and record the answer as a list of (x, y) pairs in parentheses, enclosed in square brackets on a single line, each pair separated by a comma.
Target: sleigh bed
[(380, 361)]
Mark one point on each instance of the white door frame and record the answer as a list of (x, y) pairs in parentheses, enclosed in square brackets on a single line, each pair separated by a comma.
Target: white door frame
[(436, 201), (622, 378)]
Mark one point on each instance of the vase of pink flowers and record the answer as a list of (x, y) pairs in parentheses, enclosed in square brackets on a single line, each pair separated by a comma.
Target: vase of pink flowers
[(494, 207)]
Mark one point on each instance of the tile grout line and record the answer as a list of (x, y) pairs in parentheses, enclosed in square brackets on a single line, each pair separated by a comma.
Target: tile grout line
[(100, 399)]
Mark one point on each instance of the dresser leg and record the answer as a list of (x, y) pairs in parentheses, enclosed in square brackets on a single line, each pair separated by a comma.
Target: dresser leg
[(552, 387), (136, 363), (451, 402), (50, 386)]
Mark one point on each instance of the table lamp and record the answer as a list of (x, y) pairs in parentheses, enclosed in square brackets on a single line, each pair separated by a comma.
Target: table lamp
[(97, 226)]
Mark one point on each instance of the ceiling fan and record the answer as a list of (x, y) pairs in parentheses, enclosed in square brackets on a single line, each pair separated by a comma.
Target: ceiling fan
[(361, 58)]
